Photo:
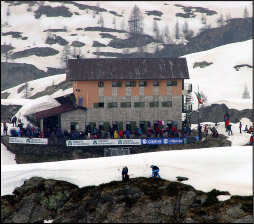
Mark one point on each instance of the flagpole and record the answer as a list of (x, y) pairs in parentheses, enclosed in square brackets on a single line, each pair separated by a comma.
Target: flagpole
[(198, 106)]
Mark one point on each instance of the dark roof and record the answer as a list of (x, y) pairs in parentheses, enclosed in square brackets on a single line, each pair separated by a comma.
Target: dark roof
[(55, 111), (127, 69), (66, 105)]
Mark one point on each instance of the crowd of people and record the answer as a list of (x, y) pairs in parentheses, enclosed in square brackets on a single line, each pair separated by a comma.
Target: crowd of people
[(157, 131)]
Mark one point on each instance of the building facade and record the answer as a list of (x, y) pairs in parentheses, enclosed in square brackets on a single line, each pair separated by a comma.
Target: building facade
[(127, 92)]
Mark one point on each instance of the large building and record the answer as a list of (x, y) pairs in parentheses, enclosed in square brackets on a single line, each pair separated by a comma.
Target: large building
[(126, 92)]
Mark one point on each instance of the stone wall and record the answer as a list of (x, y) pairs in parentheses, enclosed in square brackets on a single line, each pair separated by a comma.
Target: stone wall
[(132, 113)]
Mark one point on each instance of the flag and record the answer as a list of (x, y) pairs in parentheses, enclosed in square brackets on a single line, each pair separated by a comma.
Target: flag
[(199, 97)]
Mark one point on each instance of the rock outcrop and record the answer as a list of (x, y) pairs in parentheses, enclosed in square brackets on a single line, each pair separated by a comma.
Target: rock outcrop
[(139, 200)]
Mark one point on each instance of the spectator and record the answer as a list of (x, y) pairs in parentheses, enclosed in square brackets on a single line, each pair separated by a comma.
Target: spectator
[(240, 127), (250, 129), (127, 134), (246, 129), (14, 120), (229, 129), (115, 135)]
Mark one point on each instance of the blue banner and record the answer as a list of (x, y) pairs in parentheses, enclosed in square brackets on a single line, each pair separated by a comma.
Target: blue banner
[(161, 141)]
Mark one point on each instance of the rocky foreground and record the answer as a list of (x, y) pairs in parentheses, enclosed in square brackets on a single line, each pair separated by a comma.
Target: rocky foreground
[(144, 200)]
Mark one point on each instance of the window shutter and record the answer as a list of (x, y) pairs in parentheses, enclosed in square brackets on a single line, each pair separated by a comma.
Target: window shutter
[(164, 104), (151, 104), (174, 83), (109, 105), (123, 104), (119, 84), (133, 83), (136, 104), (96, 105)]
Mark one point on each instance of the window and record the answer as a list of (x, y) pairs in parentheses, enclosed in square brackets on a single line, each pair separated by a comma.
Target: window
[(128, 104), (171, 83), (169, 103), (136, 104), (101, 105), (142, 104), (155, 83), (78, 90), (96, 105), (156, 103), (116, 84), (114, 104), (133, 83), (166, 104), (142, 83), (100, 84), (127, 84), (80, 101)]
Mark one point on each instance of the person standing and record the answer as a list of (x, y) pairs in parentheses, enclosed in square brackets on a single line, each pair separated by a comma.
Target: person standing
[(125, 175), (5, 128), (240, 127), (115, 135), (155, 171), (229, 129)]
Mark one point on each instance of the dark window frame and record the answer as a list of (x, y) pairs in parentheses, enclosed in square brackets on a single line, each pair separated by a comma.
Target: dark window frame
[(127, 104), (101, 104), (155, 83), (156, 103), (141, 83), (100, 84), (114, 104), (171, 83)]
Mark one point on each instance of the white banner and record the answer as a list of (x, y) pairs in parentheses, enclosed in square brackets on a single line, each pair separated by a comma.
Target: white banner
[(101, 142), (41, 141)]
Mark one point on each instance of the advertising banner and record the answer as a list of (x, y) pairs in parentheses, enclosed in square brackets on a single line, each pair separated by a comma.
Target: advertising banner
[(41, 141), (102, 142), (161, 141)]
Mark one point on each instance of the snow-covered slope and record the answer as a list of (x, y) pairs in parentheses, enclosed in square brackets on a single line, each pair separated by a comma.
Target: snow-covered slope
[(20, 20), (226, 169), (7, 158), (220, 81)]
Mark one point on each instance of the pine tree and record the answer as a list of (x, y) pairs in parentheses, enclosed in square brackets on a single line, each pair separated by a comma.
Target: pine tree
[(65, 55), (245, 13), (27, 91), (220, 20), (246, 94), (114, 22), (228, 17), (123, 25), (203, 19), (177, 32), (166, 34), (136, 21), (156, 29), (101, 21), (6, 56)]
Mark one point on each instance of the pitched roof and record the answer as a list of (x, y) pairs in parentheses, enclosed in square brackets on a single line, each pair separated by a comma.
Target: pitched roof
[(127, 69)]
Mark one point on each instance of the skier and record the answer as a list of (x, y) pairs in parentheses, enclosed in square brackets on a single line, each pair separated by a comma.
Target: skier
[(125, 175), (155, 171)]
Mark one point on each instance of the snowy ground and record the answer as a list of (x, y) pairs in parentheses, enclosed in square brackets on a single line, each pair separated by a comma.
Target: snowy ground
[(7, 158), (237, 139), (220, 82), (225, 169)]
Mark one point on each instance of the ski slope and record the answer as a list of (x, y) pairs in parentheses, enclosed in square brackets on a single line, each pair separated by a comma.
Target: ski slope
[(225, 168)]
